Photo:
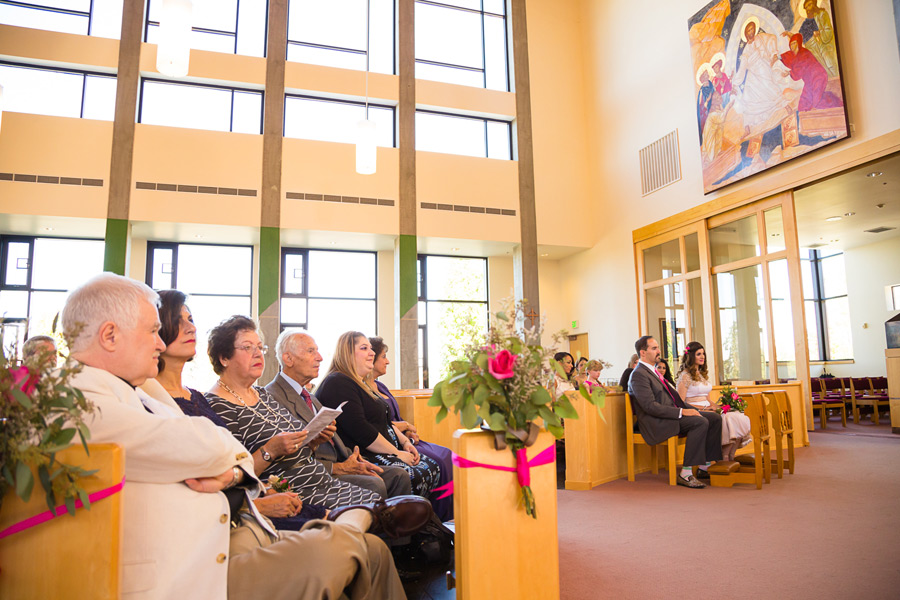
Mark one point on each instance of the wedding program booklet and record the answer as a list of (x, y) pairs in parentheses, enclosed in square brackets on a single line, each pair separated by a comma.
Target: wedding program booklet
[(322, 419)]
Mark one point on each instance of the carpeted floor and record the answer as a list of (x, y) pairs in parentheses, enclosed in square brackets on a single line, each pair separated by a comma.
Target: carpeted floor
[(830, 530)]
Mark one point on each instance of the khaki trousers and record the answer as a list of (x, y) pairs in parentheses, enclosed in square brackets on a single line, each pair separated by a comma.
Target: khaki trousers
[(323, 560)]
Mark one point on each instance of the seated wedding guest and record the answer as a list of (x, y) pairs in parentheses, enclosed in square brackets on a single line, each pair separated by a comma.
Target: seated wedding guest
[(365, 421), (299, 358), (623, 381), (444, 457), (696, 389), (662, 366), (265, 427), (188, 530), (42, 346), (572, 380), (593, 369), (581, 366), (178, 333)]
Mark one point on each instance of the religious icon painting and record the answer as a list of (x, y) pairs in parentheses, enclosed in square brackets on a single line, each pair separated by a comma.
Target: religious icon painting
[(768, 84)]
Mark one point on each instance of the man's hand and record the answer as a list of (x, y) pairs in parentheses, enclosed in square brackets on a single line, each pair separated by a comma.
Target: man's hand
[(285, 504), (325, 437), (689, 412), (211, 485), (355, 465)]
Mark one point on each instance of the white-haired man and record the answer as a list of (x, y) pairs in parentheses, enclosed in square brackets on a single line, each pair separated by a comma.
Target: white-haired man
[(299, 358), (183, 538)]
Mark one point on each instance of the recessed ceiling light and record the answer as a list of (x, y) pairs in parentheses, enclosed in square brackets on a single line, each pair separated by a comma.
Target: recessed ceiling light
[(834, 241), (198, 236), (48, 229), (545, 254), (333, 243), (454, 249), (834, 218), (874, 174), (849, 214), (775, 235)]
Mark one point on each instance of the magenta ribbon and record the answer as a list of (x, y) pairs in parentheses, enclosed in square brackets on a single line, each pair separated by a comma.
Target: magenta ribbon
[(522, 468), (60, 510)]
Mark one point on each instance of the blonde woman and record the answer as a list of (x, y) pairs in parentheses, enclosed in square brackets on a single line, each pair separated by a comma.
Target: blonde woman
[(365, 421)]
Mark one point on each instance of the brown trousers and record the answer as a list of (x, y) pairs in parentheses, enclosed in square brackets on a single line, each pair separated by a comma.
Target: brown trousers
[(323, 560)]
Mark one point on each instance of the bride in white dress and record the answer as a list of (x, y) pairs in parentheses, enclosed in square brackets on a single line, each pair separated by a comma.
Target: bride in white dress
[(695, 388)]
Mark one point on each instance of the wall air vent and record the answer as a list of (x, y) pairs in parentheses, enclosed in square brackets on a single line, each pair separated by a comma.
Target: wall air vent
[(338, 199), (660, 163), (55, 179), (193, 189), (880, 229), (484, 210)]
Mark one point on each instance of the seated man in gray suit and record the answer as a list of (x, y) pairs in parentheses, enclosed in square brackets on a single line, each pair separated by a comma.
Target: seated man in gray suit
[(299, 358), (661, 413)]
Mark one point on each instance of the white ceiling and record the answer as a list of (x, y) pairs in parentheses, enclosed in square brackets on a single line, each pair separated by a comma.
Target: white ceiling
[(851, 192)]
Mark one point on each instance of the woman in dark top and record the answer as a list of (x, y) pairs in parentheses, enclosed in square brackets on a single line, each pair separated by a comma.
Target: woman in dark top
[(623, 381), (444, 457), (365, 421), (286, 510)]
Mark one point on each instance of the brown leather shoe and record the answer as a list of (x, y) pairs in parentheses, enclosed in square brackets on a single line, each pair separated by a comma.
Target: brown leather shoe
[(395, 517)]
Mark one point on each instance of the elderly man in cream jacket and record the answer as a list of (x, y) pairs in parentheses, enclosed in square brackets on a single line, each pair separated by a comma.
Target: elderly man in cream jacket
[(183, 537)]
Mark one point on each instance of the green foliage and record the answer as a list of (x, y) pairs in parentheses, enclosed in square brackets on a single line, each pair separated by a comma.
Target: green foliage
[(41, 413)]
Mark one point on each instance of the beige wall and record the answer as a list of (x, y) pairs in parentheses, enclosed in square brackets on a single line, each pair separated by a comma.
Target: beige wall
[(639, 85)]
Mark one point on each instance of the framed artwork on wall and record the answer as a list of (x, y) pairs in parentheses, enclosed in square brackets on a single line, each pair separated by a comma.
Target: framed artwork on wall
[(768, 84)]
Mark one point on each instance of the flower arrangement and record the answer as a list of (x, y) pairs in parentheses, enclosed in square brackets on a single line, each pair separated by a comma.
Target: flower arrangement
[(506, 382), (729, 399), (40, 414), (279, 484)]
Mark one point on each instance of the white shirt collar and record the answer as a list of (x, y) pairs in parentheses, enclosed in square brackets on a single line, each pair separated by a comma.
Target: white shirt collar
[(294, 384), (649, 366)]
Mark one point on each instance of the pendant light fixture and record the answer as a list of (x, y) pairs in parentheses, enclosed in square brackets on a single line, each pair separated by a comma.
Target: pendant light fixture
[(173, 54), (366, 150)]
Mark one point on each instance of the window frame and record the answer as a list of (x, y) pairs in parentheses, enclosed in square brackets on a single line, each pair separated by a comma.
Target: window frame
[(304, 252), (84, 73), (485, 121), (393, 110), (818, 301), (422, 261), (158, 244), (483, 69), (54, 9), (232, 89), (235, 33)]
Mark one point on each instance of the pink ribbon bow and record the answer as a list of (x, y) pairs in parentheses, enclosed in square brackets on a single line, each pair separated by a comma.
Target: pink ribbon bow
[(522, 468)]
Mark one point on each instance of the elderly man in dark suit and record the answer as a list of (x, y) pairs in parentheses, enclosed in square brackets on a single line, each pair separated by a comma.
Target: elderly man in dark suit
[(661, 414), (299, 358)]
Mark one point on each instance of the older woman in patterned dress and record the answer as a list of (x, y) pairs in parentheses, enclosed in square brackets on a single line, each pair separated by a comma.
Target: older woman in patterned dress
[(262, 425)]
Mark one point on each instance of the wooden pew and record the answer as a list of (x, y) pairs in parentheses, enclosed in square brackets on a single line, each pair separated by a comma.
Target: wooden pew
[(67, 557), (414, 409)]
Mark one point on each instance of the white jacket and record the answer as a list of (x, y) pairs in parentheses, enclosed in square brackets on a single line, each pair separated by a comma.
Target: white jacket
[(175, 540)]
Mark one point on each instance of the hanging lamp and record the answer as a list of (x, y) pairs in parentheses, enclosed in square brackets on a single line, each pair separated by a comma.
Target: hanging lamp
[(366, 133), (173, 54)]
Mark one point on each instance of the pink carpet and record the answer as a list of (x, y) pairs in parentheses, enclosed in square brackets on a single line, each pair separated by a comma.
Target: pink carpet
[(830, 530)]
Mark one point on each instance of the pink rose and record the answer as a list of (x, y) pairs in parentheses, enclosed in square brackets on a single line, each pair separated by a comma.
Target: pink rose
[(725, 409), (24, 379), (734, 396), (501, 365)]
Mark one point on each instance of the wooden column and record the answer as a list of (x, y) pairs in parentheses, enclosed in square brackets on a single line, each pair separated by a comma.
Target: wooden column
[(501, 552), (405, 251), (525, 258), (128, 76), (269, 288)]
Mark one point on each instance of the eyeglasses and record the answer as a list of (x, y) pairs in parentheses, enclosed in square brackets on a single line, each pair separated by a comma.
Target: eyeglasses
[(250, 349)]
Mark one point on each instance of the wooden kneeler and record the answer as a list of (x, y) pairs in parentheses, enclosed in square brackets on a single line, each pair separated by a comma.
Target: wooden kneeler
[(750, 469)]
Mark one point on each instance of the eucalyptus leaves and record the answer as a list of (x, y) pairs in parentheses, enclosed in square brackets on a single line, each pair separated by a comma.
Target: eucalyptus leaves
[(507, 383)]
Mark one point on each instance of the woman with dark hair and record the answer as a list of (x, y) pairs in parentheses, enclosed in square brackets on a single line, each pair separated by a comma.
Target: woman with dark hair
[(444, 457), (572, 380), (662, 367), (262, 425), (695, 388), (365, 420), (177, 331)]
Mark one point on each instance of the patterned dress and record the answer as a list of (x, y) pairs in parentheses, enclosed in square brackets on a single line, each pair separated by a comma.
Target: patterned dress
[(257, 425)]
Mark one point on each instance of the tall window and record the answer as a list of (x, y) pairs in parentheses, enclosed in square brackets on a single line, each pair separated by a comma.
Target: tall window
[(102, 18), (463, 42), (469, 136), (200, 106), (231, 26), (218, 281), (333, 33), (453, 311), (328, 293), (827, 306), (36, 275), (58, 92), (335, 120)]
